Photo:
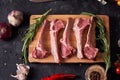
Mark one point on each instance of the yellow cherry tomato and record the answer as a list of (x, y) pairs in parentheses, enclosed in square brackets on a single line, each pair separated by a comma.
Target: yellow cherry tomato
[(117, 0), (118, 3)]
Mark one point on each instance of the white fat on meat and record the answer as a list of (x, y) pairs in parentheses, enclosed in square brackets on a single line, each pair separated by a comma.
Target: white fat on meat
[(66, 49), (79, 26), (40, 51), (90, 51), (55, 26)]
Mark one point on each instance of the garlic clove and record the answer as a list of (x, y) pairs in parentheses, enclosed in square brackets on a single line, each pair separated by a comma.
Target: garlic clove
[(20, 76), (23, 68)]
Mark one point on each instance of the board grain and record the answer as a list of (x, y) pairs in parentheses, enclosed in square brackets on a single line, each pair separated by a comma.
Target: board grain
[(46, 43)]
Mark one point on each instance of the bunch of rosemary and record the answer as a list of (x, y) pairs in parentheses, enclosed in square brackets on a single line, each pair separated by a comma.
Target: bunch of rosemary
[(101, 36), (31, 33)]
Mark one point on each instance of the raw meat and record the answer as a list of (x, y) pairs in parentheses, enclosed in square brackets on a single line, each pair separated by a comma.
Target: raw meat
[(79, 26), (55, 26), (66, 49), (40, 51), (90, 51)]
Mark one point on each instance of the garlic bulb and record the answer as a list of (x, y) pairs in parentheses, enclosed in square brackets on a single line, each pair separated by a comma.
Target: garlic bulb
[(15, 17), (22, 72)]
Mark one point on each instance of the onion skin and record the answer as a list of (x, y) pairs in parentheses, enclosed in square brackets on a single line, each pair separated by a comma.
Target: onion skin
[(5, 31), (15, 17)]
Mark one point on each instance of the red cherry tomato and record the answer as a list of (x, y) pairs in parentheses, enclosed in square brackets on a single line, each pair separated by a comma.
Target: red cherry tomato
[(117, 64), (118, 70)]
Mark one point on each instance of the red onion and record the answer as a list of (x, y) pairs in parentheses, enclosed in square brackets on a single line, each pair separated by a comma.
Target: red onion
[(5, 31)]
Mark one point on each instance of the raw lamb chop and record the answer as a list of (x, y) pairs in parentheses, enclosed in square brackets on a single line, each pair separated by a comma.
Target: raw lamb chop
[(40, 51), (90, 51), (55, 26), (66, 49), (79, 26)]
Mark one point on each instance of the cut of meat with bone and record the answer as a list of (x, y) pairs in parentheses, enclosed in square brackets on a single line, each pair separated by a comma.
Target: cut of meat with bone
[(66, 49), (40, 51), (55, 26), (79, 27), (90, 51)]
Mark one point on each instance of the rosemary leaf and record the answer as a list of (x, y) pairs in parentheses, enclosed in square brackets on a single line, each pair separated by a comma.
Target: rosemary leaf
[(31, 33), (101, 36)]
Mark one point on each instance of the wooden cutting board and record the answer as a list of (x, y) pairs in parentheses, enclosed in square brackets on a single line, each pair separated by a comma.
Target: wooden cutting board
[(73, 59)]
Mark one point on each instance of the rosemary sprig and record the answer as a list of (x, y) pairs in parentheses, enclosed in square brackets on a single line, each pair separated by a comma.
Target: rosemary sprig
[(101, 36), (31, 33)]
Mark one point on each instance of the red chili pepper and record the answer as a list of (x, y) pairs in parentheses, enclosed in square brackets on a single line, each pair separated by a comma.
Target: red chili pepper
[(60, 77)]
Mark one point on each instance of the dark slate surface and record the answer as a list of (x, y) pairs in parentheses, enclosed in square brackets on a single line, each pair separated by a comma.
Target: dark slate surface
[(10, 51)]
